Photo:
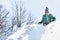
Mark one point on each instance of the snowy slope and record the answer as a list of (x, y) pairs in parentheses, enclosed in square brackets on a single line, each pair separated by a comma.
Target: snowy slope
[(52, 31), (28, 32)]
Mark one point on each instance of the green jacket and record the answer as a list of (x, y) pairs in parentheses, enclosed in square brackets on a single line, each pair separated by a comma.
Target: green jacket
[(50, 16)]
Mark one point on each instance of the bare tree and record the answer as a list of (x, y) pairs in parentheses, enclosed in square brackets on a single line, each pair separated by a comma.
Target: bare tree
[(20, 13), (3, 19), (22, 16), (30, 19)]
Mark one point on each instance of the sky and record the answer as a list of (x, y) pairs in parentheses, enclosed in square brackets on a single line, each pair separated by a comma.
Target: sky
[(37, 7)]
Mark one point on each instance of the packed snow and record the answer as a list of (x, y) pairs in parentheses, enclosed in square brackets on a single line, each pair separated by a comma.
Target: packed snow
[(52, 31)]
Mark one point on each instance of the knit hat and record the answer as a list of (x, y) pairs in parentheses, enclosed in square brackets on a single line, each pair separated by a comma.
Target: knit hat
[(46, 9)]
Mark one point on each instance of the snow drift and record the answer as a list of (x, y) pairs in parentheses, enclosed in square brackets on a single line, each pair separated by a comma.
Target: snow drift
[(52, 31), (21, 32)]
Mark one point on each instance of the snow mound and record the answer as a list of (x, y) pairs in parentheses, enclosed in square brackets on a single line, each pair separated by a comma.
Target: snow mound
[(52, 31)]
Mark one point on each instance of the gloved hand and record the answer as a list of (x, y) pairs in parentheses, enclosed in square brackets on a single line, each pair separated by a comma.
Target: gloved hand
[(40, 22)]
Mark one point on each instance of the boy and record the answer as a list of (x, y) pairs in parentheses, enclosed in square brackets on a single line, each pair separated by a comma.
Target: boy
[(47, 17)]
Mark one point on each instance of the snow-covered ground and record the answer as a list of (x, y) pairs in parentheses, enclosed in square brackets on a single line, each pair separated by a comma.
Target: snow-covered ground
[(38, 32), (52, 31), (28, 32)]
